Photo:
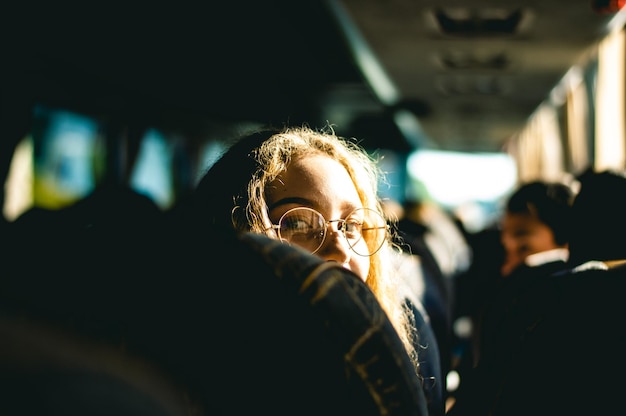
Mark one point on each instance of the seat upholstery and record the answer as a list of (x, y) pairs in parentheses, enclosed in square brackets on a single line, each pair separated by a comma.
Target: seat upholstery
[(241, 324)]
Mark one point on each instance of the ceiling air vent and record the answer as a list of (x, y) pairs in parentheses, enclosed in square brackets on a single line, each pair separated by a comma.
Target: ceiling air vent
[(478, 23), (481, 85), (455, 60)]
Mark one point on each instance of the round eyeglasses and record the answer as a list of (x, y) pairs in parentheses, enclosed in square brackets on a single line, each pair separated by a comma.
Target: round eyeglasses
[(364, 229)]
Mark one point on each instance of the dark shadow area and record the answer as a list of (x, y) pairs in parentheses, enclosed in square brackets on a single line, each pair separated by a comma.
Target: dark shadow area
[(236, 325)]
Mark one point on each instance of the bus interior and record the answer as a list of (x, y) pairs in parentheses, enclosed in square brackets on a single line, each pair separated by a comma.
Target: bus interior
[(461, 102)]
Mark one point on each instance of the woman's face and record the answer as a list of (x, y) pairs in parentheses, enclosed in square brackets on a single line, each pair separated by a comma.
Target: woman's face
[(321, 183)]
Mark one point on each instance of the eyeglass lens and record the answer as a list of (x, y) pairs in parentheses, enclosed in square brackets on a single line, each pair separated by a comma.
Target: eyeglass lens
[(307, 228)]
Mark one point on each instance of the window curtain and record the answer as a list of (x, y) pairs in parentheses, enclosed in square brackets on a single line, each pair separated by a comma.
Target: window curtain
[(538, 148), (577, 113), (609, 113)]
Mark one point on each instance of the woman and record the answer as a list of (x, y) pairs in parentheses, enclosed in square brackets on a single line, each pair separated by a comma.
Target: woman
[(318, 191), (299, 173)]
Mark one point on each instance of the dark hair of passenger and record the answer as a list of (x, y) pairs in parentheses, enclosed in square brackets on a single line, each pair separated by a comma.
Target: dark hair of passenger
[(599, 221)]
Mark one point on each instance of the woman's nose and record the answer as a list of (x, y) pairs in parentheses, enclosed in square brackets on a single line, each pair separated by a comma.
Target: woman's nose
[(335, 246)]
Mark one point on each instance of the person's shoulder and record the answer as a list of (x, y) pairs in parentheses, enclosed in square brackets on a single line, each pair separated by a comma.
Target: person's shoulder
[(594, 287)]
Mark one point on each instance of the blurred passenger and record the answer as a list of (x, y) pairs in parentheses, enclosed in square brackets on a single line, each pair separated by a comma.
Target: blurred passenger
[(412, 229), (441, 234), (599, 209), (428, 232), (410, 269), (535, 226), (317, 191), (569, 357), (535, 233)]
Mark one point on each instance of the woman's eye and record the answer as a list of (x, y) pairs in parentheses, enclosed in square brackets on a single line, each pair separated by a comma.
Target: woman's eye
[(352, 227), (295, 225)]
